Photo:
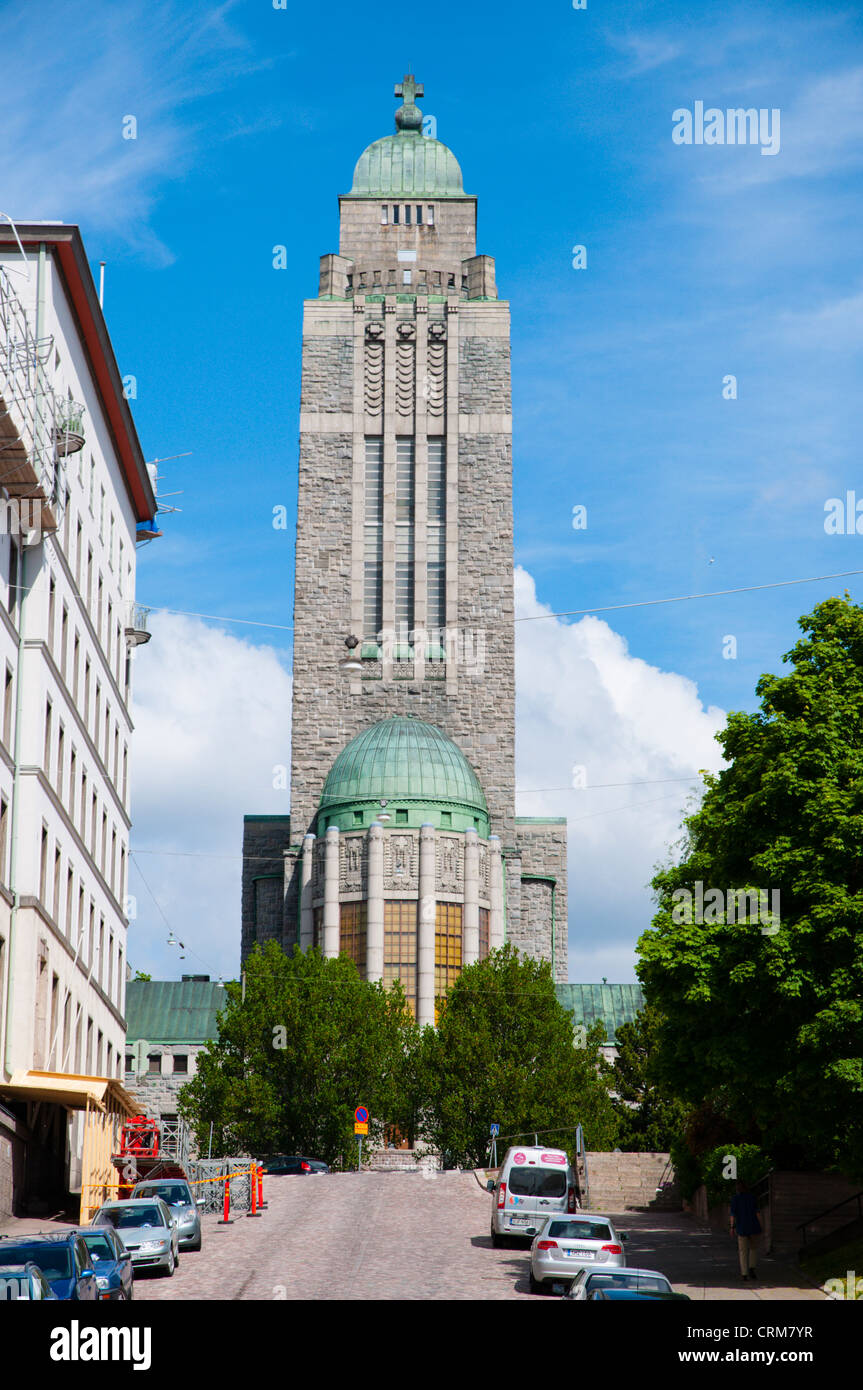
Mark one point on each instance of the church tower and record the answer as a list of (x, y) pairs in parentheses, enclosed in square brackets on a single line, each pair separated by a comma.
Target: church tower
[(402, 848)]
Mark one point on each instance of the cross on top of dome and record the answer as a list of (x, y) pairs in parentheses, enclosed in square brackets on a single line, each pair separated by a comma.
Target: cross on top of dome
[(409, 117)]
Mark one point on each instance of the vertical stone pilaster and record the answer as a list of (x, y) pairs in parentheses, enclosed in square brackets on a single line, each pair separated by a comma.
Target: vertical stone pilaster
[(496, 934), (470, 937), (426, 928), (307, 916), (375, 905), (453, 680), (331, 892)]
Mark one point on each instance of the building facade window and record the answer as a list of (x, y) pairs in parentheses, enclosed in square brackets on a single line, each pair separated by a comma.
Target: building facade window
[(404, 540), (400, 948), (447, 948), (436, 542), (374, 539), (181, 1063), (352, 934), (484, 915)]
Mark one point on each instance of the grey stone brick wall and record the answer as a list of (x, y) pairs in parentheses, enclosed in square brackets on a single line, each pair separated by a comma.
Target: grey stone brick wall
[(543, 848), (484, 381), (328, 374), (264, 840)]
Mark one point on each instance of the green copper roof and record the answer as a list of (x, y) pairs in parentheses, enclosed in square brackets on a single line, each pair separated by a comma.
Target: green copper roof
[(411, 765), (613, 1004), (407, 164), (169, 1011)]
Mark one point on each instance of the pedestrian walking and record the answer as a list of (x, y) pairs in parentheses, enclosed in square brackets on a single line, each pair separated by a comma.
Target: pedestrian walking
[(746, 1226)]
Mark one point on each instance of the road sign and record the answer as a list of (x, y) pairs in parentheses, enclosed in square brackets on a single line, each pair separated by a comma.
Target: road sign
[(361, 1115), (360, 1128), (495, 1131)]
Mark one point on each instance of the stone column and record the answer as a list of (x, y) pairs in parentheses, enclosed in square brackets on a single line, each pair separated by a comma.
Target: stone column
[(426, 930), (470, 934), (496, 926), (331, 893), (307, 912), (375, 904)]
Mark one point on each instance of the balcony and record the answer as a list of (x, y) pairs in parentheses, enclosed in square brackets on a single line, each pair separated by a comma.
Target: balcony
[(136, 625)]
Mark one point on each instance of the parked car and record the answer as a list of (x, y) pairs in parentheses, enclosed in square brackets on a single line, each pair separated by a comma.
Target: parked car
[(633, 1296), (112, 1262), (177, 1195), (24, 1282), (146, 1228), (532, 1184), (567, 1244), (63, 1259), (294, 1164), (587, 1281)]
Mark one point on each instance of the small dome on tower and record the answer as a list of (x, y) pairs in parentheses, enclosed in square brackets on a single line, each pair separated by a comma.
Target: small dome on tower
[(407, 164)]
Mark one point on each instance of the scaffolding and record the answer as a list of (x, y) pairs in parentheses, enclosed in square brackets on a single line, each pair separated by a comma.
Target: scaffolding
[(37, 427)]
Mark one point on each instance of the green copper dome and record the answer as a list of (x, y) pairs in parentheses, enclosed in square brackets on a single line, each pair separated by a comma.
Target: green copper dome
[(407, 164), (411, 765)]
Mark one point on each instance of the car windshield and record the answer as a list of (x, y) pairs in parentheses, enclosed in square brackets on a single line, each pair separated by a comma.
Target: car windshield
[(578, 1230), (537, 1182), (176, 1194), (100, 1247), (55, 1261), (624, 1280), (127, 1218)]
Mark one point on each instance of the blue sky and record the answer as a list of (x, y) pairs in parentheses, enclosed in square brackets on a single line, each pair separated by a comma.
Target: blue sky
[(701, 262)]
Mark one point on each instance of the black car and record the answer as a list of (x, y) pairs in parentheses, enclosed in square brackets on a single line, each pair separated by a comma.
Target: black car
[(294, 1165)]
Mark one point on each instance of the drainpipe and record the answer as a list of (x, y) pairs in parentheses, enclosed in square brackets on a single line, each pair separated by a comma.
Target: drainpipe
[(16, 753)]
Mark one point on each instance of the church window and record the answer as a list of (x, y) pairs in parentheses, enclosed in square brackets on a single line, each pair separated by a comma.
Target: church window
[(374, 539), (446, 820), (430, 216), (400, 948), (395, 214), (407, 214), (358, 817), (419, 214), (436, 541), (401, 817), (406, 277), (352, 933), (404, 547), (384, 215), (483, 932), (447, 948)]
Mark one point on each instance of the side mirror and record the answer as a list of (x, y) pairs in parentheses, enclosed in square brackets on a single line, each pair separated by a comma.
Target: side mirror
[(88, 1274), (624, 1235), (489, 1187)]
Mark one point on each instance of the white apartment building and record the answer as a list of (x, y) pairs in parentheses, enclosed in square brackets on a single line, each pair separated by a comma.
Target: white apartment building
[(74, 490)]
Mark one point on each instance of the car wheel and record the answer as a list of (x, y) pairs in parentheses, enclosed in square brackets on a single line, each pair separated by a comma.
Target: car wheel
[(535, 1284), (171, 1264)]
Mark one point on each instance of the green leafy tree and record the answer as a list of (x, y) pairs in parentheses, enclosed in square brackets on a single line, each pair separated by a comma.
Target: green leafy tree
[(141, 975), (310, 1042), (773, 1022), (651, 1119), (504, 1052)]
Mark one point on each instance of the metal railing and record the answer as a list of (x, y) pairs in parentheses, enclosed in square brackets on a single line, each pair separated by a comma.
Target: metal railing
[(856, 1197), (27, 397)]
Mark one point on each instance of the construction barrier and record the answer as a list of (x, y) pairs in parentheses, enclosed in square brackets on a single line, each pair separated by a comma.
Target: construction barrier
[(242, 1191)]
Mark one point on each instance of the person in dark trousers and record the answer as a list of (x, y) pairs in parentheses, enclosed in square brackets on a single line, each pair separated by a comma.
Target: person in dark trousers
[(746, 1226)]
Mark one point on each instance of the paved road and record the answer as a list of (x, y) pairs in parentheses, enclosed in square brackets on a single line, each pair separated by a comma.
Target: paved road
[(402, 1236)]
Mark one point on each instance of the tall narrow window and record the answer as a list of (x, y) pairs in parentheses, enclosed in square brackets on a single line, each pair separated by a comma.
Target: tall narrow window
[(352, 934), (400, 948), (436, 542), (447, 949), (395, 214), (404, 547), (384, 215), (374, 542), (407, 214)]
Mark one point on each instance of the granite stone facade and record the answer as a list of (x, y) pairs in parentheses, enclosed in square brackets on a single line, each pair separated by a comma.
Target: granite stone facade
[(407, 340)]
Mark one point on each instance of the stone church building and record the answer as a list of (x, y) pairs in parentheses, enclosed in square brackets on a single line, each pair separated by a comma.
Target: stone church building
[(403, 849)]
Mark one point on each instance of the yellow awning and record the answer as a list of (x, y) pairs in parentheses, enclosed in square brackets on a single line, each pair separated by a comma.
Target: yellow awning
[(69, 1089)]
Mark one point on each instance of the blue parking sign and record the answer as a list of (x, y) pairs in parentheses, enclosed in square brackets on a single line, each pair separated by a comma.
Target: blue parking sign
[(495, 1131)]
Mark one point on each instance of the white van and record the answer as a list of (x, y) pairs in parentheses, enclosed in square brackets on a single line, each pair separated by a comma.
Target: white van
[(533, 1184)]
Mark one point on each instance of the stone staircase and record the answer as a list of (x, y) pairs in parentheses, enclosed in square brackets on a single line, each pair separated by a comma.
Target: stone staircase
[(403, 1161), (628, 1182)]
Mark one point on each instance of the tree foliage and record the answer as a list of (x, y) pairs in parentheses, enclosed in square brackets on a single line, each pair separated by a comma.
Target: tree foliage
[(504, 1053), (310, 1042), (774, 1023), (651, 1119)]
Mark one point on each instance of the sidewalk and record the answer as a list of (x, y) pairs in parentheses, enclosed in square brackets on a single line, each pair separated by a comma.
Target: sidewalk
[(703, 1263)]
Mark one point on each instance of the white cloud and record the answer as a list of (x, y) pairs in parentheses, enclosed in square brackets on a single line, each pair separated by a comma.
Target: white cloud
[(212, 715), (213, 718), (583, 699)]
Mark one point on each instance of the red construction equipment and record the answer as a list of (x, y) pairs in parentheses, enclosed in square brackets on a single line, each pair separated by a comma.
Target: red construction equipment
[(139, 1138)]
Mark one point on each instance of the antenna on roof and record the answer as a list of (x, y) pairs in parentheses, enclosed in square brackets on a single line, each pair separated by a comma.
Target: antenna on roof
[(101, 284)]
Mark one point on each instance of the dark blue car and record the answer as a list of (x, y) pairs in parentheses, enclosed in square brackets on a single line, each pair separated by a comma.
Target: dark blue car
[(62, 1257), (111, 1261)]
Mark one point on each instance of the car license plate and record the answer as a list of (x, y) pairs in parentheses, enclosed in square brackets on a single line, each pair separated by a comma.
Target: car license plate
[(582, 1254), (519, 1221)]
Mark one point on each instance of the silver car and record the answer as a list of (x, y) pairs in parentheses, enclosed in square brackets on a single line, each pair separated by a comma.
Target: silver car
[(147, 1229), (567, 1244), (587, 1281), (177, 1195)]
